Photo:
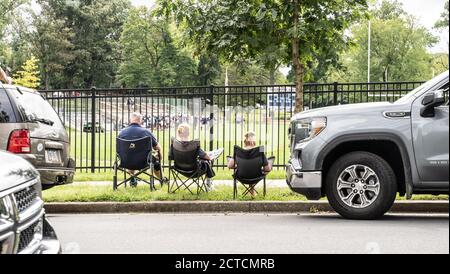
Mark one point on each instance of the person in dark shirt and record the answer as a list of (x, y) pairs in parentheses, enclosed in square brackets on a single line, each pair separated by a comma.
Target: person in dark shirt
[(136, 131)]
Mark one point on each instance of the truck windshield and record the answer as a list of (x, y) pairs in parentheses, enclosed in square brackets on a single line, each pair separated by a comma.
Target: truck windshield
[(427, 86), (33, 105)]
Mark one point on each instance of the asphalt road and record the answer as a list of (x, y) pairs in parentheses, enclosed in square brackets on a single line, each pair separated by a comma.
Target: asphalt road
[(242, 234)]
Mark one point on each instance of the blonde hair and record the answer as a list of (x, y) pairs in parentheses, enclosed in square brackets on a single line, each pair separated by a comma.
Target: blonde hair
[(249, 140), (183, 131)]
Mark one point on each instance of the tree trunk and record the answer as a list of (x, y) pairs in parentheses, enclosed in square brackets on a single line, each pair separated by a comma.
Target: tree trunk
[(298, 66), (272, 76), (46, 79)]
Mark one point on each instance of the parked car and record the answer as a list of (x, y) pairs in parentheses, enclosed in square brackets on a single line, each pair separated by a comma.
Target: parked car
[(30, 128), (87, 128), (360, 156), (24, 228)]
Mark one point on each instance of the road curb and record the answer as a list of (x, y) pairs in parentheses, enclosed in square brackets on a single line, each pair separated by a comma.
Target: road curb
[(229, 207)]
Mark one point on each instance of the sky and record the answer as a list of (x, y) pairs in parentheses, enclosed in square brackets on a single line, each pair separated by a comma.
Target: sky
[(426, 11)]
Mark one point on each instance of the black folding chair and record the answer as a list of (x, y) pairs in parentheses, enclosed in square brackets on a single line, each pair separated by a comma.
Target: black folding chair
[(134, 155), (186, 168), (249, 169)]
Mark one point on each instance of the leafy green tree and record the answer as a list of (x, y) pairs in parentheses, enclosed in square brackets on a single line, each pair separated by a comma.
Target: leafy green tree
[(439, 63), (443, 22), (29, 75), (150, 56), (51, 40), (249, 73), (7, 8), (209, 69), (243, 30), (95, 27), (399, 48)]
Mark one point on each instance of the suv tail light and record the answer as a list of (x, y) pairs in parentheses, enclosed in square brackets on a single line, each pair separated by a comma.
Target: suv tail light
[(19, 142)]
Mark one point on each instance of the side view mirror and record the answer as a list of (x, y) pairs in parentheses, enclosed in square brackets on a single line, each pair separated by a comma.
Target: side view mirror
[(431, 101)]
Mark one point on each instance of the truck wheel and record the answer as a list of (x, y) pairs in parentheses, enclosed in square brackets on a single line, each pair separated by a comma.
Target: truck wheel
[(361, 185)]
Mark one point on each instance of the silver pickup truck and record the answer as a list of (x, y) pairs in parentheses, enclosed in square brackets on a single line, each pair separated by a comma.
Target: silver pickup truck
[(24, 228), (361, 156)]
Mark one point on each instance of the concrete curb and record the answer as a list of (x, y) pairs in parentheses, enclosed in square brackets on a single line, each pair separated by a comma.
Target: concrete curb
[(229, 207)]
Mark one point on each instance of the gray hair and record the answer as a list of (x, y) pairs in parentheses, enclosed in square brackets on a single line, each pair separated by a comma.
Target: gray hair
[(136, 118)]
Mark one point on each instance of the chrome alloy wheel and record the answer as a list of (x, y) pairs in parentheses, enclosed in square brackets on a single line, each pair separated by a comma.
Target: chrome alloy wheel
[(358, 186)]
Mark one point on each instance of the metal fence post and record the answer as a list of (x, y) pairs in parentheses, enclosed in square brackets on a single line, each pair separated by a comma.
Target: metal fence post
[(335, 92), (211, 119), (93, 127)]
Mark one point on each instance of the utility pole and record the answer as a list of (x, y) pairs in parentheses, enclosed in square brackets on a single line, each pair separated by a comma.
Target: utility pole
[(369, 51), (226, 92)]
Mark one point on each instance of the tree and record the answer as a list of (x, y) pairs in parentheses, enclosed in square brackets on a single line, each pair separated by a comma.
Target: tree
[(242, 29), (252, 74), (6, 10), (150, 56), (29, 75), (208, 69), (399, 48), (95, 27), (439, 63), (444, 20), (51, 40)]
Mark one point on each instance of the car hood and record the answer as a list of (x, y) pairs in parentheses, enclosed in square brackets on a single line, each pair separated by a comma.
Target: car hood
[(14, 171), (343, 109)]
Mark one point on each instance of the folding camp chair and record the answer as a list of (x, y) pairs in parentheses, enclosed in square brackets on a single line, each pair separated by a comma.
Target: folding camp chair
[(249, 169), (134, 155), (186, 168)]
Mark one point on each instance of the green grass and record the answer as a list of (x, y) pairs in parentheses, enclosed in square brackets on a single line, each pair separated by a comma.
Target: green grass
[(102, 193), (221, 174), (85, 193)]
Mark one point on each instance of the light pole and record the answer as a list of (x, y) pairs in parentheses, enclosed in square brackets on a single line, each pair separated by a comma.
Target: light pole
[(368, 51)]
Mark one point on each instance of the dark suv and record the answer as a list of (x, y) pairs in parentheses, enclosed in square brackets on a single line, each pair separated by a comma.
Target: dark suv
[(31, 128)]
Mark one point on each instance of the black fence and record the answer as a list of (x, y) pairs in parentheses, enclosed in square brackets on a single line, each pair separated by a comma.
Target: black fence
[(218, 115)]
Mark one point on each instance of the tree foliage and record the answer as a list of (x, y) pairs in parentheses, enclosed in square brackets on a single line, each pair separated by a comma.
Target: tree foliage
[(53, 44), (399, 48), (443, 22), (240, 29), (28, 76), (150, 56), (7, 8)]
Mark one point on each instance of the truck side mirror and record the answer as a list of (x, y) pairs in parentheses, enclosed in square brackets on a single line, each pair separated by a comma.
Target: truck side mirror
[(431, 101)]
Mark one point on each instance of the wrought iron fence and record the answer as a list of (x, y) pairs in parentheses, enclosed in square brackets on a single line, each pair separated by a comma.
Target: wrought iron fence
[(218, 115)]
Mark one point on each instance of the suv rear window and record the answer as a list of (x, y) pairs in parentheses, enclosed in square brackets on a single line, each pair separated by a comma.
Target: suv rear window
[(33, 104), (6, 111)]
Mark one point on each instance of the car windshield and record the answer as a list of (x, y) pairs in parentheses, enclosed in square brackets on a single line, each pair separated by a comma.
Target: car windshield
[(423, 87), (35, 106)]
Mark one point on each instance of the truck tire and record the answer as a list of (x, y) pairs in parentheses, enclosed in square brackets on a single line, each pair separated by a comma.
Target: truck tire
[(361, 186)]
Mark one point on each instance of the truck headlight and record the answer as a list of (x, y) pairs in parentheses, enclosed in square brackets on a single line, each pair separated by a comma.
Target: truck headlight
[(307, 129)]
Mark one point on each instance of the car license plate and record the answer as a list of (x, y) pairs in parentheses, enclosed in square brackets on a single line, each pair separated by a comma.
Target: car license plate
[(53, 156)]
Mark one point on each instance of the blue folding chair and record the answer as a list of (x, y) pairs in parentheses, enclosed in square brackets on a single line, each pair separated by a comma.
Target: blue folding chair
[(134, 155)]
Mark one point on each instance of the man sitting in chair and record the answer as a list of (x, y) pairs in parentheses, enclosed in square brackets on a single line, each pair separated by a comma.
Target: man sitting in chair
[(136, 131)]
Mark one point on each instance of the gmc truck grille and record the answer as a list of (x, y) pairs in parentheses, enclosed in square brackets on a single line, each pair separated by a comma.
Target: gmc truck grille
[(27, 236), (25, 198)]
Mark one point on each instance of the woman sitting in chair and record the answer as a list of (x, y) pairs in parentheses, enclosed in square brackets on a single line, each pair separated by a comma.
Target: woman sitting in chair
[(249, 144), (183, 136)]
